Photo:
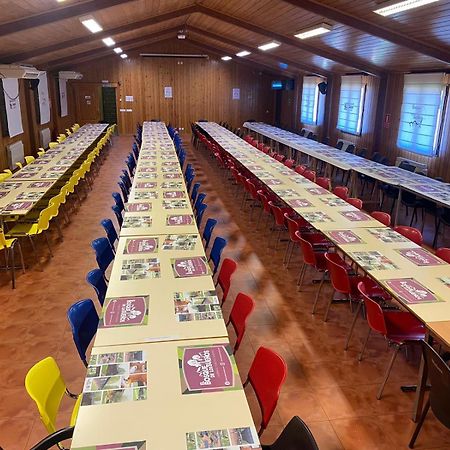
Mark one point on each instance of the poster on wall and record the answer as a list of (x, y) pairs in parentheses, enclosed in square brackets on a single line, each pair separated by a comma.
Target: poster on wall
[(44, 98), (63, 96), (236, 94), (168, 92), (12, 104)]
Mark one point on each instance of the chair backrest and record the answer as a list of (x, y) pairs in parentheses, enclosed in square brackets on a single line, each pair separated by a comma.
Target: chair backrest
[(356, 202), (324, 182), (309, 256), (338, 273), (341, 192), (374, 313), (310, 175), (241, 310), (29, 159), (124, 190), (406, 166), (295, 436), (208, 230), (216, 252), (266, 375), (224, 278), (194, 192), (382, 217), (125, 177), (293, 227), (46, 387), (97, 280), (439, 376), (289, 163), (118, 214), (300, 169), (111, 232), (200, 199), (83, 319), (118, 199), (200, 212), (443, 253), (302, 132), (277, 213), (339, 145), (413, 234), (44, 218), (103, 253), (265, 201), (350, 148), (54, 439)]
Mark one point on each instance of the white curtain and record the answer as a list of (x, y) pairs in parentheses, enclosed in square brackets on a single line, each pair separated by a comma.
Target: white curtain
[(63, 97), (44, 98), (12, 104)]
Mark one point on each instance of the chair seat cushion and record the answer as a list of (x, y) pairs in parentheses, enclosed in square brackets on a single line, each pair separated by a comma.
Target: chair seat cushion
[(23, 229)]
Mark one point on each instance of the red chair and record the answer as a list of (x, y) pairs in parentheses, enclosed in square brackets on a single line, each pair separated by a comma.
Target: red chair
[(356, 202), (310, 175), (266, 149), (324, 182), (278, 157), (444, 254), (289, 163), (382, 217), (224, 278), (266, 376), (278, 215), (399, 328), (252, 188), (261, 146), (347, 284), (242, 308), (255, 143), (248, 138), (413, 234), (341, 192), (294, 225), (300, 169)]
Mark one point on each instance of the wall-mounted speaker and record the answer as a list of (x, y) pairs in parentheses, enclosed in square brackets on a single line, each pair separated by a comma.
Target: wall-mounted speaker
[(323, 87)]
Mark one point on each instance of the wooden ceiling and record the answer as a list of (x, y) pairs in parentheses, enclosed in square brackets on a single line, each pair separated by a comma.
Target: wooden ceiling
[(49, 35)]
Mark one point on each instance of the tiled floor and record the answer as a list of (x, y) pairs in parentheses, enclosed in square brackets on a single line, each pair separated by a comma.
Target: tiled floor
[(326, 386)]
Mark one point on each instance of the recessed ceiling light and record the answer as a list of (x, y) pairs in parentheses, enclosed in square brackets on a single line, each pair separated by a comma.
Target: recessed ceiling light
[(226, 58), (269, 46), (316, 30), (243, 53), (109, 41), (118, 50), (91, 24), (394, 7), (124, 55)]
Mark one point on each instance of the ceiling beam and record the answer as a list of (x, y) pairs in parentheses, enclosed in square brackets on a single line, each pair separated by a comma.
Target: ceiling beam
[(369, 27), (299, 66), (221, 52), (131, 26), (104, 51), (335, 55), (57, 14)]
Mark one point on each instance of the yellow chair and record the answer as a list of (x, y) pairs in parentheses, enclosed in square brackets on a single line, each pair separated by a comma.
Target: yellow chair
[(41, 151), (61, 138), (8, 171), (8, 245), (68, 131), (45, 385), (53, 144), (19, 165), (29, 159), (4, 176)]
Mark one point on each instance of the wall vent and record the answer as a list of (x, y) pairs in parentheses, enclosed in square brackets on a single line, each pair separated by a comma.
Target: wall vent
[(15, 153)]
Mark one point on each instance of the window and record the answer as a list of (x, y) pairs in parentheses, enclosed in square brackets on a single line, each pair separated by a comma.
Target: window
[(351, 104), (310, 100), (422, 113)]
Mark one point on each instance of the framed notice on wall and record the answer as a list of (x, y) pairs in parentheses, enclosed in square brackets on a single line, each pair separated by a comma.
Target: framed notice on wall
[(168, 92), (44, 98), (12, 106), (236, 94), (63, 96)]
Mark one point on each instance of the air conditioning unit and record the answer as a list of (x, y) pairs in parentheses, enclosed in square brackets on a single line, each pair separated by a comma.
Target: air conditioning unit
[(18, 71), (66, 75)]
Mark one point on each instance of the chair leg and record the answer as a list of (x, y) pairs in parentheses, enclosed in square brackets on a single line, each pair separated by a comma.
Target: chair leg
[(325, 318), (419, 424), (34, 250), (355, 318), (301, 275), (48, 243), (360, 357), (318, 293), (21, 256), (388, 371), (290, 255)]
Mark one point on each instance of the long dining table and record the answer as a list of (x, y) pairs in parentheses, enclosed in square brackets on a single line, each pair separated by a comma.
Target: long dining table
[(162, 373), (415, 277), (424, 187)]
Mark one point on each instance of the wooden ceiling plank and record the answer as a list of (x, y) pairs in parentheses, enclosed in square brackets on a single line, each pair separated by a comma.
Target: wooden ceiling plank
[(299, 66), (57, 14), (335, 55), (106, 33), (368, 27)]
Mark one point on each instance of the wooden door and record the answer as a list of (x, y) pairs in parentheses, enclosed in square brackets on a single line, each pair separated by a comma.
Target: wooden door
[(88, 102)]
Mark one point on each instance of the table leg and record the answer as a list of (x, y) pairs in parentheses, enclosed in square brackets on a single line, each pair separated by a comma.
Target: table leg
[(397, 209), (421, 387), (353, 190)]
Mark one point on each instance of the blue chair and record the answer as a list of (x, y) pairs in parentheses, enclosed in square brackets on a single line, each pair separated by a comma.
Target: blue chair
[(208, 231), (135, 150), (118, 199), (111, 232), (194, 192), (103, 253), (131, 164), (83, 319), (118, 213), (189, 169), (200, 199), (97, 280), (199, 216), (216, 252), (189, 180), (124, 190), (125, 177)]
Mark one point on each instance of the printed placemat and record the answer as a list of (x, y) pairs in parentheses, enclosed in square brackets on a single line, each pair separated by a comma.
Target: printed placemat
[(125, 311), (226, 439), (344, 237), (411, 291), (195, 266), (141, 245), (180, 219), (138, 207), (420, 257), (387, 235), (197, 305), (372, 260), (139, 269), (179, 242), (137, 222)]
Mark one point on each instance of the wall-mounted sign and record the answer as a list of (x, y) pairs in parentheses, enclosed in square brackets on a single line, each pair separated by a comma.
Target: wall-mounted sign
[(129, 98), (44, 99), (12, 103), (236, 94), (168, 92)]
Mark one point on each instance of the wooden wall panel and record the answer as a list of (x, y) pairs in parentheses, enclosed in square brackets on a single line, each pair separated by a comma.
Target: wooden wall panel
[(202, 88)]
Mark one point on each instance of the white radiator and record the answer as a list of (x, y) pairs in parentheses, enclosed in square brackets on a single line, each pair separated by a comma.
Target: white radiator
[(45, 137), (420, 167), (15, 154)]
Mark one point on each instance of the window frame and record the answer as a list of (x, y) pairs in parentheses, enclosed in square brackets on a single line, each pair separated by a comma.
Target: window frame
[(316, 102)]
